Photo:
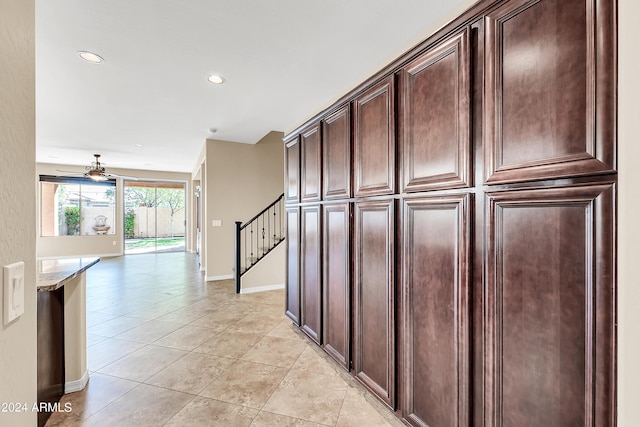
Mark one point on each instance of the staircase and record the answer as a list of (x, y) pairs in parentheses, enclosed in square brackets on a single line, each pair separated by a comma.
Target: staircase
[(257, 237)]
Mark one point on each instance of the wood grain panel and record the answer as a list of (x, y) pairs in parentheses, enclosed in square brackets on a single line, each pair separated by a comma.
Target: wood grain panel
[(548, 112), (374, 298), (50, 350), (292, 310), (436, 115), (311, 277), (435, 295), (292, 170), (336, 319), (550, 307), (310, 164), (374, 140), (336, 157)]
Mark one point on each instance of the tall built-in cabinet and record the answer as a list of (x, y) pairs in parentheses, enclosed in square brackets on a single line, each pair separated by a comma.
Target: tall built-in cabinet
[(337, 229), (292, 197), (452, 221)]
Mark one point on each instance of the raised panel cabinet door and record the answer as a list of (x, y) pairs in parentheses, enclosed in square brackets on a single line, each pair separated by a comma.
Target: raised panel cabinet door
[(310, 270), (435, 309), (336, 157), (374, 140), (436, 117), (310, 164), (374, 359), (292, 309), (550, 307), (549, 89), (292, 170), (336, 319)]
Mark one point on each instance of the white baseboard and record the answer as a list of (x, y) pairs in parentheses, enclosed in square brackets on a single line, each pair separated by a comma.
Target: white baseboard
[(261, 289), (224, 277), (77, 385), (80, 256)]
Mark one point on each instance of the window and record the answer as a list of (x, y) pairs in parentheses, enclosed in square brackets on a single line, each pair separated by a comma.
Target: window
[(76, 206)]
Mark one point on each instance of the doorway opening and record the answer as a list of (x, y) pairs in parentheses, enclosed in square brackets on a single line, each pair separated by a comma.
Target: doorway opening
[(154, 216)]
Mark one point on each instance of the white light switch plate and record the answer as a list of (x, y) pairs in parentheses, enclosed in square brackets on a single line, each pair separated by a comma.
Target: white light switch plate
[(13, 291), (216, 223)]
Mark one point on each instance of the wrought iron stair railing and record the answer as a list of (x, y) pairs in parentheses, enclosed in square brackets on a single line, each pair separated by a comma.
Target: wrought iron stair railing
[(257, 237)]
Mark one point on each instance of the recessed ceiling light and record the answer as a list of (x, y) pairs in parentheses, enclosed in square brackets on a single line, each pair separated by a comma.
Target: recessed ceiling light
[(139, 145), (90, 57), (215, 79)]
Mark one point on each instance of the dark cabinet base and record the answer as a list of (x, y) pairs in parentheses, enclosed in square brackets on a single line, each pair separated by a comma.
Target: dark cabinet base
[(50, 349)]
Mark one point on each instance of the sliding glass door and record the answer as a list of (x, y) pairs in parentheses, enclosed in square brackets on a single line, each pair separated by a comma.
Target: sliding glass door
[(154, 216)]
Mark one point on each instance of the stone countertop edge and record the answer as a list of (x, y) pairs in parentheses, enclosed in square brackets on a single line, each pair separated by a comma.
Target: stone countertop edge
[(53, 274)]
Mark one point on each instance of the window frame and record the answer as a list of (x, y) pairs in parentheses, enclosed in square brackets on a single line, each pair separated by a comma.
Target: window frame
[(80, 181)]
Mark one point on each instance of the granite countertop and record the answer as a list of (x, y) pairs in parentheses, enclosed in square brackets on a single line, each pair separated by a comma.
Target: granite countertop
[(52, 274)]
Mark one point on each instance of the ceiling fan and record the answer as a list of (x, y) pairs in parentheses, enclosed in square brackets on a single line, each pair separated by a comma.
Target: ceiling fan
[(97, 172)]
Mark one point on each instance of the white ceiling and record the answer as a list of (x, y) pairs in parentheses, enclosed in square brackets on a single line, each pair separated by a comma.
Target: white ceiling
[(283, 61)]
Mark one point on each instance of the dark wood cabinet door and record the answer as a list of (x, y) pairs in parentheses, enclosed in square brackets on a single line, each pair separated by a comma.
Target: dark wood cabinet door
[(436, 117), (336, 319), (310, 269), (435, 309), (374, 298), (336, 157), (549, 90), (292, 310), (374, 140), (310, 164), (50, 350), (292, 170), (550, 307)]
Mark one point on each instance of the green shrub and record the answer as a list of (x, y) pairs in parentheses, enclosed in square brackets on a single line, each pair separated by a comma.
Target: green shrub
[(129, 221), (72, 218)]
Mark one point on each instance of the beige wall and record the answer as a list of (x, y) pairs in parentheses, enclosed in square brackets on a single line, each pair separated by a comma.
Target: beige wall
[(17, 201), (268, 273), (628, 214), (109, 244), (204, 188), (241, 180), (192, 231)]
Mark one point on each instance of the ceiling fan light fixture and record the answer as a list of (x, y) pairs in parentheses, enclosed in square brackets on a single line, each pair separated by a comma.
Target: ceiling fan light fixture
[(216, 79), (96, 175), (96, 172), (90, 57)]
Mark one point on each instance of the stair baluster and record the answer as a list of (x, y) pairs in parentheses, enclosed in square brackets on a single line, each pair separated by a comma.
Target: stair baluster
[(260, 223)]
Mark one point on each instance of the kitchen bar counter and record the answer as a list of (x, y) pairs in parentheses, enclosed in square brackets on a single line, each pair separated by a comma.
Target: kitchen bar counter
[(54, 273), (62, 328)]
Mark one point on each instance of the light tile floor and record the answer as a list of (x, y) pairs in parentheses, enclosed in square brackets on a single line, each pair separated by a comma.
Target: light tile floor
[(166, 348)]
